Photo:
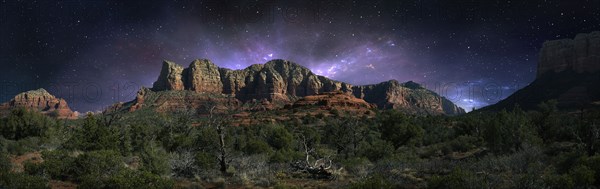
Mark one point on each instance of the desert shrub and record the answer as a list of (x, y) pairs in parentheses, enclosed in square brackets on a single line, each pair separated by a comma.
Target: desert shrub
[(5, 164), (335, 112), (279, 137), (285, 156), (594, 164), (253, 170), (205, 161), (22, 146), (508, 131), (565, 161), (33, 168), (373, 182), (93, 135), (558, 181), (98, 164), (22, 123), (182, 164), (320, 115), (458, 178), (138, 179), (436, 133), (206, 139), (466, 143), (345, 135), (22, 181), (154, 159), (376, 150), (357, 166), (255, 146), (126, 178), (582, 176), (396, 128), (58, 164)]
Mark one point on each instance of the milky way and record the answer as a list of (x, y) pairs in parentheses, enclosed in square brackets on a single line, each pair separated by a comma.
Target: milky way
[(95, 53)]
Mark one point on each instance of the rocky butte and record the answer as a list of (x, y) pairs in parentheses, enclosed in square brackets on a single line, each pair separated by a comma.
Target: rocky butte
[(39, 100), (568, 72), (580, 55), (279, 82)]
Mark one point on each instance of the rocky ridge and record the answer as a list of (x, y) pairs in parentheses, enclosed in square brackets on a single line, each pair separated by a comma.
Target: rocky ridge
[(283, 82), (39, 100)]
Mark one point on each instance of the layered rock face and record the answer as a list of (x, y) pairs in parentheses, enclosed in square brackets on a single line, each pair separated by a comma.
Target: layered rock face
[(39, 100), (410, 97), (568, 71), (170, 78), (581, 54), (333, 100), (283, 82)]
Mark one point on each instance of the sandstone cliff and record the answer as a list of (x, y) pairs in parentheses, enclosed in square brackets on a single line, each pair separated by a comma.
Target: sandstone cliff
[(283, 82), (39, 100), (568, 71), (581, 54)]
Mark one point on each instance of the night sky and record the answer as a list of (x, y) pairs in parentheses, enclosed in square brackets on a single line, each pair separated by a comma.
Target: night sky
[(97, 52)]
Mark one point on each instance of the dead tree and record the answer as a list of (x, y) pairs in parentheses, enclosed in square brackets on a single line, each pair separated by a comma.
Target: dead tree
[(218, 122), (319, 169)]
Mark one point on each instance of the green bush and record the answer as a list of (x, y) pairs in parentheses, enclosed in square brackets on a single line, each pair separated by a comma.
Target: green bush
[(99, 164), (59, 164), (126, 178), (559, 181), (93, 136), (594, 164), (155, 159), (22, 123), (464, 143), (205, 161), (22, 181), (458, 178), (374, 182), (582, 176), (376, 150), (20, 147), (5, 164), (254, 146), (396, 128), (284, 156), (279, 137)]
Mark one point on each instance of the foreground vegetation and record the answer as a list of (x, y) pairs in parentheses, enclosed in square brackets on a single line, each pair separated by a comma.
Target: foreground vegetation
[(507, 149)]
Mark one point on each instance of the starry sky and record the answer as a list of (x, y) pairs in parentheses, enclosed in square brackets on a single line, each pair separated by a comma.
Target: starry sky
[(97, 52)]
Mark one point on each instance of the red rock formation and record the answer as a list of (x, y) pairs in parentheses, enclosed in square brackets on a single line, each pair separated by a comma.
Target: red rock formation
[(331, 100), (581, 54), (39, 100), (170, 78), (284, 81), (568, 72), (204, 76)]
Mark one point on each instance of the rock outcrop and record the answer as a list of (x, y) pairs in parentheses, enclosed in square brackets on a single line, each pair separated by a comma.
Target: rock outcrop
[(581, 54), (39, 100), (332, 100), (204, 76), (284, 82), (568, 71), (170, 78), (410, 97)]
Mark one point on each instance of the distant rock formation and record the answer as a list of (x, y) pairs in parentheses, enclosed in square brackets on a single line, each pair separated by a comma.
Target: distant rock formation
[(568, 71), (283, 82), (331, 100), (39, 100), (581, 54)]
